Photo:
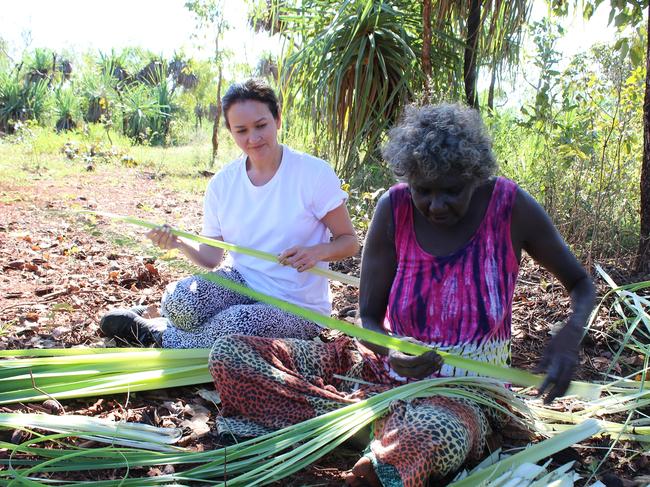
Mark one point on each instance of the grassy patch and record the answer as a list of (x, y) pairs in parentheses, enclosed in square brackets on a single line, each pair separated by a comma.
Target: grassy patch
[(5, 326), (38, 153)]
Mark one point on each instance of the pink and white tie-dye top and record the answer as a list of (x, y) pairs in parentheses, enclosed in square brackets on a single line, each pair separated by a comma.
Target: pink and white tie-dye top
[(462, 302)]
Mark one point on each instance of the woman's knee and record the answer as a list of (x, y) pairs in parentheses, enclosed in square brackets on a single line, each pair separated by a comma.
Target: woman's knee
[(227, 350), (189, 302), (264, 321)]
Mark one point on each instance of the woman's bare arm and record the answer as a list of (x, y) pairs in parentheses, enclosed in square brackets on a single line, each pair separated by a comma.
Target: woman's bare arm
[(201, 254), (344, 243), (534, 232)]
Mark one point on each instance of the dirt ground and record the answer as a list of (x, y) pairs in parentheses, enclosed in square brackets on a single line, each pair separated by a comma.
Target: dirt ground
[(62, 270)]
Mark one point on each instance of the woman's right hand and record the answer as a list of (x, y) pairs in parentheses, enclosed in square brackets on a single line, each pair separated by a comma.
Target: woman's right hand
[(414, 366), (162, 237)]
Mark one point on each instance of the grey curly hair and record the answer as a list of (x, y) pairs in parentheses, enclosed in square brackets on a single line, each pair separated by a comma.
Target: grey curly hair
[(435, 140)]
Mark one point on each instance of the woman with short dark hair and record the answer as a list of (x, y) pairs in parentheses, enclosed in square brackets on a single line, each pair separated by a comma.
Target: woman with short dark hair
[(250, 90), (273, 199)]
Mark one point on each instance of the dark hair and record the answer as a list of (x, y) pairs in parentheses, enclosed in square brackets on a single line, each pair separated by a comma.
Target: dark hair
[(251, 89), (435, 140)]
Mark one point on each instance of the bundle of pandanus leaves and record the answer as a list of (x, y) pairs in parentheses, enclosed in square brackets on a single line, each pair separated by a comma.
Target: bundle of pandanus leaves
[(268, 458), (32, 375)]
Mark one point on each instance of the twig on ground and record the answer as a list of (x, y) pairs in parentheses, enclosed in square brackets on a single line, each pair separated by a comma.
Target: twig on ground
[(61, 408)]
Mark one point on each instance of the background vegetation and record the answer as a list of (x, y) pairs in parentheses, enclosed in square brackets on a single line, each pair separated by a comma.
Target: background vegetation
[(347, 71)]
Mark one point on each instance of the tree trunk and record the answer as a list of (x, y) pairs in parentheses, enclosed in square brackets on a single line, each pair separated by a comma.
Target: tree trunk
[(493, 79), (426, 45), (215, 126), (470, 68), (643, 254)]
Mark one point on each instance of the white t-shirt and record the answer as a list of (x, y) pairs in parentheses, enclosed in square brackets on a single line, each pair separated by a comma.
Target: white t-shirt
[(280, 214)]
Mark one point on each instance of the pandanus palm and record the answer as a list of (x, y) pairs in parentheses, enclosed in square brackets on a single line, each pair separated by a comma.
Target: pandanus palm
[(352, 66), (352, 70)]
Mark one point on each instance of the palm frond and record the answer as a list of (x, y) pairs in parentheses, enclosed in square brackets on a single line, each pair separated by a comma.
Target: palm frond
[(353, 71)]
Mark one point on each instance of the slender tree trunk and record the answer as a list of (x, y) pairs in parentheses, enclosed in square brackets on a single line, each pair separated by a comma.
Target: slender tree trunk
[(470, 68), (426, 45), (643, 255), (493, 79), (215, 126), (217, 118)]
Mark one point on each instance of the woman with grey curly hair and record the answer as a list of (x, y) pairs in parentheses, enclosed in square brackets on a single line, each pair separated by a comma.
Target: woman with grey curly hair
[(432, 140), (439, 265)]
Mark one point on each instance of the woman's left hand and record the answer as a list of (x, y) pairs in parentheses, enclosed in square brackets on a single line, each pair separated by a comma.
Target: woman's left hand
[(560, 360), (301, 258), (415, 366)]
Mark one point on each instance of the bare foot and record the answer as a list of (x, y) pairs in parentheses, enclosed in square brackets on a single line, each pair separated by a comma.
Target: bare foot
[(362, 475)]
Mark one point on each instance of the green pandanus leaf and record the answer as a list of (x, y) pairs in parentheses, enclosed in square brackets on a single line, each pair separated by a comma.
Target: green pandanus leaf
[(258, 461), (38, 375), (335, 276), (508, 374), (135, 435), (533, 454)]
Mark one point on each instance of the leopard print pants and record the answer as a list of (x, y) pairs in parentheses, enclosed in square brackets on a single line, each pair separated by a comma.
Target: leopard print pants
[(268, 384), (200, 311)]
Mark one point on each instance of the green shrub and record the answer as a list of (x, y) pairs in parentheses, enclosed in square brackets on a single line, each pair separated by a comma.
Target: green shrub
[(21, 101), (576, 147), (67, 108)]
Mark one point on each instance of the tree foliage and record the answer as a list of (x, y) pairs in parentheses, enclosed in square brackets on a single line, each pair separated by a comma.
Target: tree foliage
[(133, 89), (629, 15), (352, 66), (577, 146), (354, 69), (210, 14)]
